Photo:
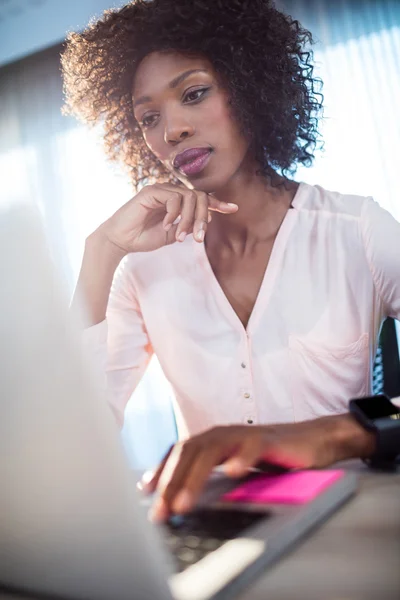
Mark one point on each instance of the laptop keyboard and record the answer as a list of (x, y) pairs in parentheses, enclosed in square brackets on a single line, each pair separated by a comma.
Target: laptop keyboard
[(191, 537)]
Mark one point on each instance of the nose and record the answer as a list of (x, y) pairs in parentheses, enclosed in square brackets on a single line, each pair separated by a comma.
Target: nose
[(177, 129)]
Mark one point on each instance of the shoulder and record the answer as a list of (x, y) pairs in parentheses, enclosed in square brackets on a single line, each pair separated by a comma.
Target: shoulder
[(318, 201)]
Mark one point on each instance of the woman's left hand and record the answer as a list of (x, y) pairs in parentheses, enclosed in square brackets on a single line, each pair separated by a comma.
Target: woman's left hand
[(182, 474)]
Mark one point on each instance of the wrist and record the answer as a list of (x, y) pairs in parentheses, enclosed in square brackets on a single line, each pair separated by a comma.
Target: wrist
[(100, 244), (350, 439)]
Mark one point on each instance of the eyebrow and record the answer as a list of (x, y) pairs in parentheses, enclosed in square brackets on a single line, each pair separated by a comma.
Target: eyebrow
[(172, 84)]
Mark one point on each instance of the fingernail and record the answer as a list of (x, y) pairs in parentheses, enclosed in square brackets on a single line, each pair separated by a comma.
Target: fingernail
[(144, 487), (231, 205), (167, 227), (181, 236), (158, 511), (200, 235), (147, 477), (183, 501), (235, 466), (144, 484)]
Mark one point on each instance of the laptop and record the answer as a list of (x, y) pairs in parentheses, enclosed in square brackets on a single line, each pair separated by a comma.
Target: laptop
[(72, 524)]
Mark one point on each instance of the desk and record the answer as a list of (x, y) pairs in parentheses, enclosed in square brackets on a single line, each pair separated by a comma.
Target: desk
[(353, 556)]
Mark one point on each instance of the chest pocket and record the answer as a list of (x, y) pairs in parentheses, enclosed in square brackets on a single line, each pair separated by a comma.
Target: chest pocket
[(324, 378)]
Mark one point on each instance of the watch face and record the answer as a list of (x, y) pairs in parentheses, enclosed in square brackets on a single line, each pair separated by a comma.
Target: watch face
[(378, 407)]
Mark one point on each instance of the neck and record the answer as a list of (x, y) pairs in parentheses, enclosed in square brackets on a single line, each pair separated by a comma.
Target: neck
[(262, 208)]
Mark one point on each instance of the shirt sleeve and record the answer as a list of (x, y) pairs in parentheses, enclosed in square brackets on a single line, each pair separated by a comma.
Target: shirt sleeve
[(381, 237), (120, 344)]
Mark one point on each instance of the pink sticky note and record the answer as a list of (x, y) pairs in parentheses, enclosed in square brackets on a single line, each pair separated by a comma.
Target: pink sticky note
[(289, 488)]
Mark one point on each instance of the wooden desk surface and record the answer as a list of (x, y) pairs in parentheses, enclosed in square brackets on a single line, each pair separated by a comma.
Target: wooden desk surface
[(355, 555)]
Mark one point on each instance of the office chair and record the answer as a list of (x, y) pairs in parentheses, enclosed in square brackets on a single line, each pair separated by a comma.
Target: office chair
[(386, 369)]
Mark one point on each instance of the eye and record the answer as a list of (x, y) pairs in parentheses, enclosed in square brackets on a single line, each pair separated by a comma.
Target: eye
[(148, 120), (194, 95)]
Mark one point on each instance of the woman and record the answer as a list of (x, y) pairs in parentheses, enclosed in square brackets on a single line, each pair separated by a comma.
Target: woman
[(261, 297)]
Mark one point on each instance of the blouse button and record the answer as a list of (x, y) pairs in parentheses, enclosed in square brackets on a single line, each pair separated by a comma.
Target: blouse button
[(250, 421), (246, 395), (243, 365)]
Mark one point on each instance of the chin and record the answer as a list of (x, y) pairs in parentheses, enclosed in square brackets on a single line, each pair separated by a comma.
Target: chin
[(209, 184)]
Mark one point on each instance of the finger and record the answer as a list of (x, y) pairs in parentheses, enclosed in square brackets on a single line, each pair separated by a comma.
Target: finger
[(168, 223), (143, 483), (174, 473), (221, 206), (196, 459), (247, 455), (185, 498), (175, 222), (173, 207), (171, 235), (150, 479), (213, 202), (188, 209), (172, 200), (201, 217)]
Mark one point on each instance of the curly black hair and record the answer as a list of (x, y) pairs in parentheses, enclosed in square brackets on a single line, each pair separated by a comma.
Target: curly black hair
[(262, 55)]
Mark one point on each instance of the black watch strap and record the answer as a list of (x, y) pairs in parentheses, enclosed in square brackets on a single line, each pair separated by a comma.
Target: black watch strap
[(380, 415)]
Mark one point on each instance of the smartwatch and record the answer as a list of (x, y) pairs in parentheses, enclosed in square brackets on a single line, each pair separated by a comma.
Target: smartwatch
[(379, 415)]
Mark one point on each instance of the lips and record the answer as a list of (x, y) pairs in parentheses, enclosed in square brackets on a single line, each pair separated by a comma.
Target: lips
[(188, 156)]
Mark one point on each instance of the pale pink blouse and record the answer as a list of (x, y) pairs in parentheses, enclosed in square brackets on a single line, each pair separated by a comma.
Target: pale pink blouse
[(333, 275)]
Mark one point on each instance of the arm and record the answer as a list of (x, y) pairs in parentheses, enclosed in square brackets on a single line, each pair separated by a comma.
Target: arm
[(381, 237), (128, 346), (310, 444), (145, 223), (306, 445), (117, 339), (348, 438), (100, 261)]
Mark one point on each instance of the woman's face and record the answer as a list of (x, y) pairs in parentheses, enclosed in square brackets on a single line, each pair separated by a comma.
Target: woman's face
[(181, 108)]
